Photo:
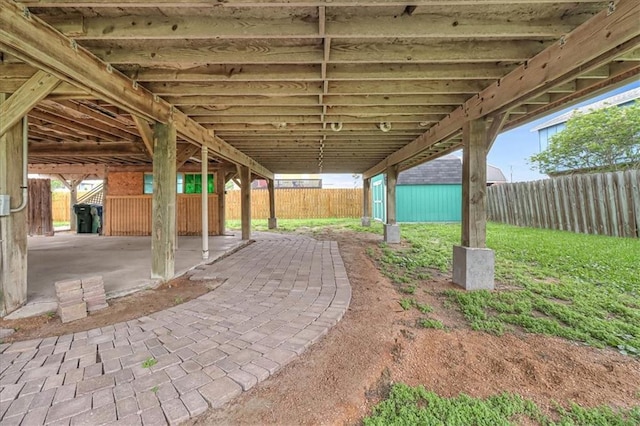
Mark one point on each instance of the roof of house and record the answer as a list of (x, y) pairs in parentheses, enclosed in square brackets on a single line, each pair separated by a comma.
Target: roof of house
[(444, 170), (618, 99)]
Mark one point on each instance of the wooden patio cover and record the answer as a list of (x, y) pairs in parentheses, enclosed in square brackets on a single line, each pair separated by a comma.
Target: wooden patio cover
[(299, 86)]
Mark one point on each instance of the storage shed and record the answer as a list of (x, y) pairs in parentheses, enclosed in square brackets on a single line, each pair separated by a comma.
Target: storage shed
[(430, 192)]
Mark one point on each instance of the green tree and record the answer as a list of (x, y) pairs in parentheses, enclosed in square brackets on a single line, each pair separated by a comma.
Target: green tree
[(607, 139)]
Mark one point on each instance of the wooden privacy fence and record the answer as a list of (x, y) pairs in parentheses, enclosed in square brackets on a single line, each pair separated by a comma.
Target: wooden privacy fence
[(129, 215), (601, 203), (290, 204), (60, 206), (299, 203)]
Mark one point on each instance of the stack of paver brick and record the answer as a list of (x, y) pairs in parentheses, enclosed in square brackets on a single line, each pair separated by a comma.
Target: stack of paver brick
[(76, 297), (93, 293), (71, 305)]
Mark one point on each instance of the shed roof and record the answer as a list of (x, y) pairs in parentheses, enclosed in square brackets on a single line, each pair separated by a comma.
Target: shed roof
[(444, 170)]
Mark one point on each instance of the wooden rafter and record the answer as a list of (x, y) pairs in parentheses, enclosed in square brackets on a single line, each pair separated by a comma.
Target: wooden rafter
[(589, 46), (25, 98), (145, 133), (270, 77), (39, 44), (185, 153)]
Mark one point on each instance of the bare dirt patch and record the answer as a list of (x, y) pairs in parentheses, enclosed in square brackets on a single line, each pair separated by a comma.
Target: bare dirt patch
[(121, 309)]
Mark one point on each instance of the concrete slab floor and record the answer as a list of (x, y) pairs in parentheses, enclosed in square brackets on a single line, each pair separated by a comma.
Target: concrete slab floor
[(123, 262)]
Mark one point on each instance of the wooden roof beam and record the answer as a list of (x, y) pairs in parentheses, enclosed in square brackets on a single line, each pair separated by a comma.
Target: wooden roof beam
[(32, 40), (25, 98), (271, 3), (146, 27), (601, 39), (155, 53)]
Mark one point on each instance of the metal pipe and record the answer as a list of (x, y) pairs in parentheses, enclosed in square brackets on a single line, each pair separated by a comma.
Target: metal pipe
[(25, 178), (205, 202)]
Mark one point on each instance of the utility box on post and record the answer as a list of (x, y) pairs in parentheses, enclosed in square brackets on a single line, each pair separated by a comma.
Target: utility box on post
[(5, 205)]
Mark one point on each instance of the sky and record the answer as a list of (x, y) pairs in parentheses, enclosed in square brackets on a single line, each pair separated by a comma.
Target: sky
[(512, 149), (510, 152)]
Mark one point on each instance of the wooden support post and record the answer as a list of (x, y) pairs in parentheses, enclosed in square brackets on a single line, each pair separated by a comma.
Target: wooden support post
[(474, 183), (366, 202), (72, 186), (220, 190), (473, 264), (105, 214), (163, 231), (245, 201), (13, 228), (73, 200), (273, 221), (391, 228), (205, 202)]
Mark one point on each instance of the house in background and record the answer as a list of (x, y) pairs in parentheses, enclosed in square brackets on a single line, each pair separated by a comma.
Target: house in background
[(549, 128), (430, 192)]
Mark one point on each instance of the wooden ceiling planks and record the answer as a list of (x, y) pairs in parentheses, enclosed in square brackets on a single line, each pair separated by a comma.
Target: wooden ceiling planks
[(307, 86)]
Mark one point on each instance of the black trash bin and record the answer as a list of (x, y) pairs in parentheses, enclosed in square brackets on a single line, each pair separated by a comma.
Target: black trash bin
[(84, 219)]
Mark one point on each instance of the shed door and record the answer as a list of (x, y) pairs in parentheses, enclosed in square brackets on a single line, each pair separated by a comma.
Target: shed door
[(379, 204)]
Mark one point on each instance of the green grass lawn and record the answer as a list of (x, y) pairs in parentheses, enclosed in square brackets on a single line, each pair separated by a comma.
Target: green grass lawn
[(417, 406), (581, 287), (60, 224)]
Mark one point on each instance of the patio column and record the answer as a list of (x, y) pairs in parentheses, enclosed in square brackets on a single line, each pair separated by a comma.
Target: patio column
[(366, 202), (13, 226), (245, 201), (163, 231), (391, 228), (473, 263), (72, 185), (205, 202), (220, 184), (273, 221)]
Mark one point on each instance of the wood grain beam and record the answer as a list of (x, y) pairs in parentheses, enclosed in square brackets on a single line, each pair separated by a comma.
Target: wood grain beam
[(236, 88), (81, 111), (393, 87), (312, 72), (82, 130), (198, 27), (145, 133), (596, 42), (185, 153), (214, 72), (462, 51), (168, 53), (99, 170), (226, 101), (83, 149), (24, 99), (275, 4), (37, 43)]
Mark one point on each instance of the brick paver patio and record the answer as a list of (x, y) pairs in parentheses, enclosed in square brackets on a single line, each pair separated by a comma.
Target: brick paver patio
[(280, 295)]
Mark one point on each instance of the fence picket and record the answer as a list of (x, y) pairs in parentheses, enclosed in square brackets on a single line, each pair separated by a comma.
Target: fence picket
[(602, 203)]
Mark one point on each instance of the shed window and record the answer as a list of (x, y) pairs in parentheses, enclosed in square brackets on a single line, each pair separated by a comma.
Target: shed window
[(148, 183), (193, 183)]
